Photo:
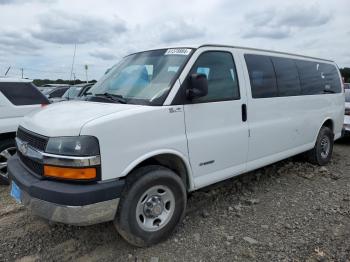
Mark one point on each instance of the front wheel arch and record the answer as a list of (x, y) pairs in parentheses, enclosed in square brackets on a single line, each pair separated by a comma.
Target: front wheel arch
[(169, 159)]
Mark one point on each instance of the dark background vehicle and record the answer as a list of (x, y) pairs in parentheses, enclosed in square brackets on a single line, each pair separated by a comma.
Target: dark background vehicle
[(56, 92), (77, 91), (346, 130), (347, 85)]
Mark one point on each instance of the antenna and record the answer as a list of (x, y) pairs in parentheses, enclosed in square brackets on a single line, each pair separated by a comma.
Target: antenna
[(8, 69), (86, 72), (71, 72)]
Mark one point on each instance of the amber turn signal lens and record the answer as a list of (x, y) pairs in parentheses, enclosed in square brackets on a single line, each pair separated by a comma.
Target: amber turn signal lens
[(70, 173)]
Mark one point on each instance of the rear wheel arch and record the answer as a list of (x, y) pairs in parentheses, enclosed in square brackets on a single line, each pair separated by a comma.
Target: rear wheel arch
[(328, 123)]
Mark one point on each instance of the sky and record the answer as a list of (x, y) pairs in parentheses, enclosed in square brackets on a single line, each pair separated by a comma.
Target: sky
[(39, 35)]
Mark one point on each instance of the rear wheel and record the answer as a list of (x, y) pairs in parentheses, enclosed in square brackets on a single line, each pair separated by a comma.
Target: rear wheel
[(151, 207), (321, 154), (7, 149)]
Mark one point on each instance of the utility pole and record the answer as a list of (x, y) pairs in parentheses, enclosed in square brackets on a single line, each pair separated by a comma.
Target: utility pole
[(86, 72), (22, 72), (71, 72)]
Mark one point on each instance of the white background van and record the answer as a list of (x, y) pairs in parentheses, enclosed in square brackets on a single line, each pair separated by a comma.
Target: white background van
[(18, 97), (166, 122)]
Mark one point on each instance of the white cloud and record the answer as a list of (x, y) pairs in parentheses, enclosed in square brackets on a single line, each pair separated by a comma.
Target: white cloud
[(65, 28), (40, 35), (277, 23)]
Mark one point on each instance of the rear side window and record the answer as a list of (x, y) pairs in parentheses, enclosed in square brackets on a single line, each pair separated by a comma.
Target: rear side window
[(287, 76), (318, 78), (330, 78), (21, 94), (221, 73), (262, 76), (310, 77)]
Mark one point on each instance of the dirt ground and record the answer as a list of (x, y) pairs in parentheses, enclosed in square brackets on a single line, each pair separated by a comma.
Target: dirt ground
[(290, 211)]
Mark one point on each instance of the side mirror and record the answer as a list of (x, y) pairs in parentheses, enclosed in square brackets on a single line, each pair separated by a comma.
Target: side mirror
[(198, 86)]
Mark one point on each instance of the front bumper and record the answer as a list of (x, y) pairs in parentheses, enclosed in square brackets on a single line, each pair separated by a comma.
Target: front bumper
[(69, 203)]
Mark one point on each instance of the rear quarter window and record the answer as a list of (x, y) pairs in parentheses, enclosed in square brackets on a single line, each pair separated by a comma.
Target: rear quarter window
[(318, 78), (21, 94)]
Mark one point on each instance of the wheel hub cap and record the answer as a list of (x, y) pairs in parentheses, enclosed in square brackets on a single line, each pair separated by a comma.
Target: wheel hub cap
[(155, 208), (325, 147)]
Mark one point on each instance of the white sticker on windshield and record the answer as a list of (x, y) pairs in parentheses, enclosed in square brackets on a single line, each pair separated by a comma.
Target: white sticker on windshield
[(178, 51)]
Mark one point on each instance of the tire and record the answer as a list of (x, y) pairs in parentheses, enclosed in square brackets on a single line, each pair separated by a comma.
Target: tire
[(7, 149), (150, 191), (321, 154)]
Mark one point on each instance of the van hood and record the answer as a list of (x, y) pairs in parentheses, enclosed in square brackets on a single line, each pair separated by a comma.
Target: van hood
[(67, 118)]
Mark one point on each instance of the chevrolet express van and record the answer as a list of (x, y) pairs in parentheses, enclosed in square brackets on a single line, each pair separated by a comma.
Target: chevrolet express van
[(18, 97), (165, 122)]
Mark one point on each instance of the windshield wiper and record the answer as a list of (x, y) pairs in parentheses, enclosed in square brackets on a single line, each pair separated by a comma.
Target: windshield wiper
[(113, 97), (328, 91)]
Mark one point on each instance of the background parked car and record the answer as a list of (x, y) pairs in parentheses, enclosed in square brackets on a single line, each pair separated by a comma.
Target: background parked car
[(76, 91), (347, 85), (347, 113), (56, 92), (18, 97)]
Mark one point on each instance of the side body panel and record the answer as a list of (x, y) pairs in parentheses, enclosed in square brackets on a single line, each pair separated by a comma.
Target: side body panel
[(129, 137), (217, 136), (284, 126)]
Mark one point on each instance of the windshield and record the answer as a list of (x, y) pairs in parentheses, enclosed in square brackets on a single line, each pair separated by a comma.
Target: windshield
[(72, 92), (143, 78)]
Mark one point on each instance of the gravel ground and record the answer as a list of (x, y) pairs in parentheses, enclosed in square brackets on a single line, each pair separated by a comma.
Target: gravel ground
[(290, 211)]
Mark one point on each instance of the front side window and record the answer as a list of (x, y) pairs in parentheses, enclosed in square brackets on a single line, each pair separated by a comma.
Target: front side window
[(262, 76), (221, 73), (143, 78)]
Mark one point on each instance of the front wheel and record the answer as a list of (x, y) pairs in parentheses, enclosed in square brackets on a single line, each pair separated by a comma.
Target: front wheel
[(7, 149), (151, 207), (321, 154)]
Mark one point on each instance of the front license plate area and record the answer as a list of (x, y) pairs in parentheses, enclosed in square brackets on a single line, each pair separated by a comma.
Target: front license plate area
[(16, 192)]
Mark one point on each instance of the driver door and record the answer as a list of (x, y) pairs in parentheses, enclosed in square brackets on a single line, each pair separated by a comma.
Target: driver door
[(216, 133)]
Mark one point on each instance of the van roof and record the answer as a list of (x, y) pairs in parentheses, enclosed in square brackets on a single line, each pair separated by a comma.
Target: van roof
[(239, 47), (15, 80), (265, 50)]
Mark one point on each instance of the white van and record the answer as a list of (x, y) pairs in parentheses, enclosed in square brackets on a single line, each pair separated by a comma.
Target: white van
[(166, 122), (18, 97)]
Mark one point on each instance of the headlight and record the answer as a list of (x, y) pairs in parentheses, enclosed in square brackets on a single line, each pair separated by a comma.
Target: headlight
[(73, 146)]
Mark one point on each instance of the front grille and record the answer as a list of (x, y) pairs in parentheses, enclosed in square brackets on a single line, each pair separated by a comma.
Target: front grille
[(35, 167), (34, 140)]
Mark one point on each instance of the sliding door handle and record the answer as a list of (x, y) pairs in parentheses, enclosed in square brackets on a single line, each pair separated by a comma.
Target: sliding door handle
[(244, 113)]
